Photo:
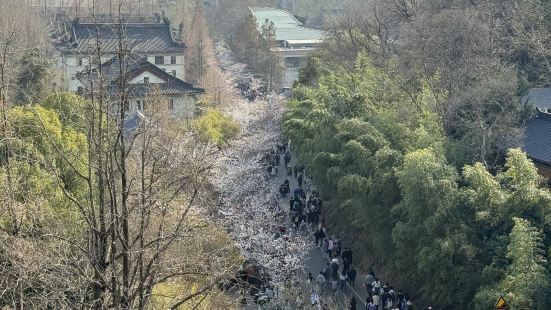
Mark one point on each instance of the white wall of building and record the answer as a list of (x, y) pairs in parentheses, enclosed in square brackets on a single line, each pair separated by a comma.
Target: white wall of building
[(70, 63), (184, 106), (153, 79), (179, 67)]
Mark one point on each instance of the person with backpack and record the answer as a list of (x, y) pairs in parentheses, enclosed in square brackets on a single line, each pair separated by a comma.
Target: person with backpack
[(368, 284), (376, 286)]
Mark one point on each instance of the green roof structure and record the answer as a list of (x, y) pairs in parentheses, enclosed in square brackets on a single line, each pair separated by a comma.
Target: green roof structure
[(288, 28)]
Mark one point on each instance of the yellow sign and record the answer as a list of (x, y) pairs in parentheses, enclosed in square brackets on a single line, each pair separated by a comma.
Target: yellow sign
[(501, 304)]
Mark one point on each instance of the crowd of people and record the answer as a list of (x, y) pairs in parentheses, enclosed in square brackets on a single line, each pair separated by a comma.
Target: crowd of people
[(305, 206)]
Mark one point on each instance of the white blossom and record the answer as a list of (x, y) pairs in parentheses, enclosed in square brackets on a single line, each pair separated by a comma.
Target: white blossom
[(249, 205)]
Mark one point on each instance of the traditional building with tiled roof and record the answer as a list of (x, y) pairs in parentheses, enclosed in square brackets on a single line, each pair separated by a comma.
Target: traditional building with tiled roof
[(540, 98), (154, 65), (537, 135), (150, 37), (145, 80)]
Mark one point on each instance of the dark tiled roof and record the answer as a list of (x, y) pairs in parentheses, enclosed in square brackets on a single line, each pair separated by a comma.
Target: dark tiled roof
[(136, 65), (132, 123), (170, 88), (537, 138), (143, 38), (539, 97)]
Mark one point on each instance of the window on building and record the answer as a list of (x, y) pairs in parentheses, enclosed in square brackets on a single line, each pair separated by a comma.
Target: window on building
[(159, 60), (174, 72), (171, 104), (146, 80), (172, 60)]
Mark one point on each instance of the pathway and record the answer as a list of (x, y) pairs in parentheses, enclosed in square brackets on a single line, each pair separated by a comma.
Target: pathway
[(315, 261)]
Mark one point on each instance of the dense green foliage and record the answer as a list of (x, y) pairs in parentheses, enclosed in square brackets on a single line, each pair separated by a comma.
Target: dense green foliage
[(43, 151), (213, 126), (479, 63), (380, 155)]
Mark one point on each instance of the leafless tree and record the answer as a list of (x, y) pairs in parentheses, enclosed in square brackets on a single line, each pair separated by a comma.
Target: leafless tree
[(140, 208)]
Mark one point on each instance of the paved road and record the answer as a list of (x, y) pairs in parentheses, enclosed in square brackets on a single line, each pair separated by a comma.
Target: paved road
[(315, 260)]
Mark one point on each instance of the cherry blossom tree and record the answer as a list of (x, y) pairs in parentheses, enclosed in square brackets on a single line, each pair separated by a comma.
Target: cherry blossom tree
[(249, 205)]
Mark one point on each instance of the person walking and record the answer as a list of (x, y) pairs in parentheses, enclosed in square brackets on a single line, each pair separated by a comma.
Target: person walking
[(296, 192), (338, 247), (376, 300), (345, 261), (296, 221), (335, 269), (368, 284), (319, 235), (314, 298), (320, 281), (310, 278), (343, 279), (370, 305), (307, 184), (324, 247), (351, 276), (352, 303), (376, 286), (330, 246), (327, 274)]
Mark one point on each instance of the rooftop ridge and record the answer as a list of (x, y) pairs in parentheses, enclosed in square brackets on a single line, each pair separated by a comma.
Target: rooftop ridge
[(297, 22), (543, 115)]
